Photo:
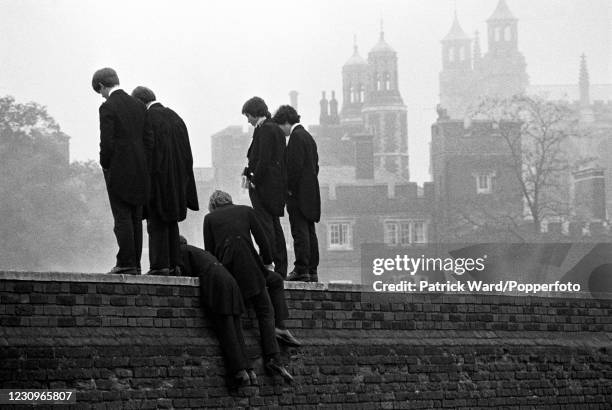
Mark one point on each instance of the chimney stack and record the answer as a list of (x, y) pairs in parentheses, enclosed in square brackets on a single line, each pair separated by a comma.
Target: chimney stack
[(293, 98), (324, 116)]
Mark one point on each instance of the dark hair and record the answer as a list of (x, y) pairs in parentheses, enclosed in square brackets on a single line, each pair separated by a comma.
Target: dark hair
[(286, 114), (256, 107), (105, 76), (144, 94)]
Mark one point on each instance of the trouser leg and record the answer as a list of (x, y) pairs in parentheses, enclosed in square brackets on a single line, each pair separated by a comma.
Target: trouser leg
[(274, 233), (158, 242), (301, 237), (265, 317), (174, 247), (314, 249), (229, 332), (276, 291)]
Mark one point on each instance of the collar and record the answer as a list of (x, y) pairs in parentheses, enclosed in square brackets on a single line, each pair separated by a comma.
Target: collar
[(260, 121), (112, 90), (151, 103), (293, 127)]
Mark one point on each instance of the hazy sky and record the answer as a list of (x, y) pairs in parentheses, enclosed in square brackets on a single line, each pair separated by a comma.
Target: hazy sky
[(205, 58)]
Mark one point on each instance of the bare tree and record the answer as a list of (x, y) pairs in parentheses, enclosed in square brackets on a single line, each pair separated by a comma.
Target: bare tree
[(537, 148)]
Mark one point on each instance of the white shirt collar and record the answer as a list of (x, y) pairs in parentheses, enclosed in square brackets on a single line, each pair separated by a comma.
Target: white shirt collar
[(260, 121), (293, 127), (112, 90), (149, 104)]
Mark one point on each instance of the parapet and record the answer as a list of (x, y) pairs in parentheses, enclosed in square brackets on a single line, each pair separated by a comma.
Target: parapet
[(143, 342)]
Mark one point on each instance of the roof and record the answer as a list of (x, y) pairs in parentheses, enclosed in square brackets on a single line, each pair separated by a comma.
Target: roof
[(502, 12), (570, 92), (382, 45), (356, 59), (345, 175), (456, 32)]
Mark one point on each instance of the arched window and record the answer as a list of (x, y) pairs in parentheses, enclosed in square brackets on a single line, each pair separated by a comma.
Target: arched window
[(451, 54), (361, 94), (497, 33), (387, 81), (462, 53), (378, 82), (507, 33), (352, 94)]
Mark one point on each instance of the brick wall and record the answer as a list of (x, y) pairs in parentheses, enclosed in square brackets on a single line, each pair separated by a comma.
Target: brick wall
[(142, 342)]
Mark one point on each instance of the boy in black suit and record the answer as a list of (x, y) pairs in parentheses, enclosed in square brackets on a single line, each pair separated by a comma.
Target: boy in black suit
[(304, 200), (125, 148), (267, 177)]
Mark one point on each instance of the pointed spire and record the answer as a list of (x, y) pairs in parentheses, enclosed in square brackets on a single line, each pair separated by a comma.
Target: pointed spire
[(583, 82), (355, 59), (456, 32), (502, 12), (382, 45)]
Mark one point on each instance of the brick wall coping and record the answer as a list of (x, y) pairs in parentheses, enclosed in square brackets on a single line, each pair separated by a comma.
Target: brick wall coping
[(333, 287)]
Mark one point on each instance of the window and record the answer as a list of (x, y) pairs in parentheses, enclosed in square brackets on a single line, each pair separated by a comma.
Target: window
[(462, 53), (497, 33), (404, 232), (484, 183), (361, 94), (507, 33), (340, 235), (387, 81), (451, 54), (352, 94)]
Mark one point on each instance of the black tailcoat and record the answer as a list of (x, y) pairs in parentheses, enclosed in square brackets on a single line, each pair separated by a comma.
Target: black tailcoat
[(125, 147), (172, 181), (302, 173), (219, 291), (266, 166), (227, 235)]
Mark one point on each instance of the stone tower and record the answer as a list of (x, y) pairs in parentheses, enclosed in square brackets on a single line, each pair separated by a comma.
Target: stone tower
[(354, 82), (384, 112), (457, 75), (502, 72)]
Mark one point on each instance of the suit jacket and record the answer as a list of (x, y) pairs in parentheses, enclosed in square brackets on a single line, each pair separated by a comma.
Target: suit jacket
[(266, 167), (227, 235), (218, 289), (172, 181), (125, 147), (302, 173)]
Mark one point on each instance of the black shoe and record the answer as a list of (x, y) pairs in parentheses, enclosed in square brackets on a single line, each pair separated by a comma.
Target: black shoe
[(241, 378), (314, 278), (176, 271), (273, 366), (285, 336), (253, 377), (124, 270), (298, 277), (159, 272)]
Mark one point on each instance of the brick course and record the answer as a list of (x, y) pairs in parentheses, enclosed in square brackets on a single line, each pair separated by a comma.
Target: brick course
[(147, 344)]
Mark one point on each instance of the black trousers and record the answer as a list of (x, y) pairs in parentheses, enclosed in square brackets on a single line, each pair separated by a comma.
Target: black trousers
[(274, 231), (128, 230), (276, 289), (265, 318), (305, 242), (229, 332), (164, 247)]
